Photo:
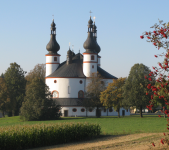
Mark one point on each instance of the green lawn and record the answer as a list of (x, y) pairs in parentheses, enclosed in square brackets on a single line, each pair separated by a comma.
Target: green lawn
[(109, 125)]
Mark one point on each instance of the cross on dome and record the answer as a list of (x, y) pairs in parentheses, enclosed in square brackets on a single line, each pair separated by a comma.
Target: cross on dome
[(90, 12)]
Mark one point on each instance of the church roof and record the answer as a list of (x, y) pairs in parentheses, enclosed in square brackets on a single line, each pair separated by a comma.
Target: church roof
[(75, 69), (68, 101)]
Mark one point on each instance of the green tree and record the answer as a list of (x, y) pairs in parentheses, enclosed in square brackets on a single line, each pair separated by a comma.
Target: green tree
[(135, 87), (95, 86), (39, 72), (4, 99), (112, 96), (15, 82), (2, 75), (38, 104)]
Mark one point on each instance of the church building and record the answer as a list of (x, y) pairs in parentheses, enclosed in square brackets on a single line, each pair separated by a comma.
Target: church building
[(68, 80)]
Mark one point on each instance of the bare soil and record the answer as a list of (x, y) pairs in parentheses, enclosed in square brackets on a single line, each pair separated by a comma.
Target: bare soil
[(142, 141)]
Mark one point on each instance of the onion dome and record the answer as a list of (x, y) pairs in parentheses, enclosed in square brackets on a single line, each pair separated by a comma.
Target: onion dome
[(53, 46), (69, 52), (97, 49), (90, 43)]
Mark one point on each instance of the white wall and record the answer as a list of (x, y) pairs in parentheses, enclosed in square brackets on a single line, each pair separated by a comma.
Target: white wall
[(78, 113), (62, 86)]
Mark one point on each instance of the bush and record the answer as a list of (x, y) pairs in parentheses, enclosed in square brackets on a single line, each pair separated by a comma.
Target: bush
[(31, 136)]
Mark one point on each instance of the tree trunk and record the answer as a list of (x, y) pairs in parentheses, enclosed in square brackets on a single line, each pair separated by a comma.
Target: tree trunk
[(118, 113), (13, 112), (97, 112), (141, 112), (3, 114), (163, 112)]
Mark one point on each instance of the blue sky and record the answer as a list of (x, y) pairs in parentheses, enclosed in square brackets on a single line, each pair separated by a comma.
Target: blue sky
[(25, 31)]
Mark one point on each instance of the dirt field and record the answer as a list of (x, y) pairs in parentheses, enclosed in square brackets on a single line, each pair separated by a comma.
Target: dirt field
[(140, 141)]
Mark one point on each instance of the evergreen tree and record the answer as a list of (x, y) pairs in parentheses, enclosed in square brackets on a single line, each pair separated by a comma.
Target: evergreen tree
[(112, 96), (2, 75), (15, 82), (38, 104), (95, 86), (135, 87)]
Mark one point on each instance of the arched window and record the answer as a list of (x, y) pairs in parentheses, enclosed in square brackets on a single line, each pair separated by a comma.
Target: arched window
[(104, 109), (81, 94), (82, 110), (55, 81), (92, 66), (80, 81), (74, 109), (92, 57), (55, 94)]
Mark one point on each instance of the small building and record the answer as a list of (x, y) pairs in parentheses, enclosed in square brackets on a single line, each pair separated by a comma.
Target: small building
[(67, 80)]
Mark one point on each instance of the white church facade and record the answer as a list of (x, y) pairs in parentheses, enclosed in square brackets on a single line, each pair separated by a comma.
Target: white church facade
[(67, 81)]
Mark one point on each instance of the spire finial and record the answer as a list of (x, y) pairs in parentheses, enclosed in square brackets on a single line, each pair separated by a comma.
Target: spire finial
[(79, 50), (90, 13), (94, 18), (53, 17), (72, 47)]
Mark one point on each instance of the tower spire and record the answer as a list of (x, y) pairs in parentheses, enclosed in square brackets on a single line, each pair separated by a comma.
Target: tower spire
[(53, 46)]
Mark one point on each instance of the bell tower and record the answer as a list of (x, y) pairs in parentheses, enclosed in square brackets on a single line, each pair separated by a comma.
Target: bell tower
[(52, 58)]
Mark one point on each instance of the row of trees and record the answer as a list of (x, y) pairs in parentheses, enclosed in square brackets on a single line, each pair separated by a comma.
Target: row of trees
[(123, 92), (28, 96)]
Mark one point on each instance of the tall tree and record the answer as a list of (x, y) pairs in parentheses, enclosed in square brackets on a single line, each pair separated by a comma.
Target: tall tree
[(112, 96), (15, 82), (136, 86), (95, 86), (2, 75), (4, 99), (38, 104), (39, 72)]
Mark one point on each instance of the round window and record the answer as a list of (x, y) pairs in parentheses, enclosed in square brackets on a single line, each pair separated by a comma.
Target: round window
[(80, 81), (82, 110), (55, 81), (110, 109), (90, 109), (74, 109)]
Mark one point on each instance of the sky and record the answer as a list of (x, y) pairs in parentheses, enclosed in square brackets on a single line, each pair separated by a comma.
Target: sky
[(25, 31)]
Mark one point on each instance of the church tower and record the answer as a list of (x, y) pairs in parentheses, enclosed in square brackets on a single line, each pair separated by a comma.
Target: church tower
[(52, 58), (97, 50), (90, 55)]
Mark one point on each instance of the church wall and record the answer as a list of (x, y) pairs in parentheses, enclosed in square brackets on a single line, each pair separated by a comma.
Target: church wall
[(89, 68), (87, 57), (62, 85), (98, 63)]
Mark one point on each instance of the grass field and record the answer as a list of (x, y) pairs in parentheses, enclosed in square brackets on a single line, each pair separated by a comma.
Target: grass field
[(109, 125)]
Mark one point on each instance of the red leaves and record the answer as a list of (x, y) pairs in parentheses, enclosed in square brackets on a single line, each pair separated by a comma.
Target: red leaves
[(167, 128), (145, 77), (155, 55), (154, 44), (159, 115), (162, 141), (151, 96), (142, 37), (148, 37), (150, 79), (164, 134), (162, 85), (153, 144), (146, 93), (154, 89), (166, 83)]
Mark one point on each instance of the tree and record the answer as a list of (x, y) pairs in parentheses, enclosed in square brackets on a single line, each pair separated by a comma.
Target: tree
[(15, 82), (112, 96), (4, 99), (159, 38), (2, 75), (38, 104), (135, 87), (39, 72), (92, 95)]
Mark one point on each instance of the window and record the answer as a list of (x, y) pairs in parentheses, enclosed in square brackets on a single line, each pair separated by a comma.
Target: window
[(92, 57), (82, 110), (127, 110), (110, 109), (80, 81), (105, 110), (80, 94), (55, 94), (90, 109), (74, 109), (55, 58), (55, 81), (92, 66)]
